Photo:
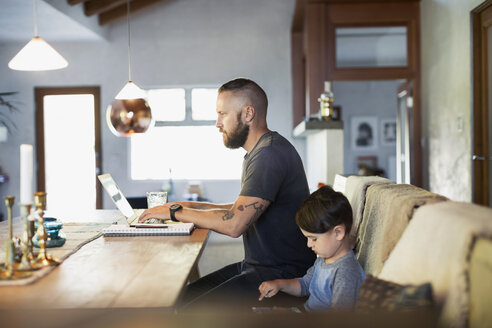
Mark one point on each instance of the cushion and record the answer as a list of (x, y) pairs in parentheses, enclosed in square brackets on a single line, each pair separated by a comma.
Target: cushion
[(436, 247), (355, 190), (481, 283), (377, 294)]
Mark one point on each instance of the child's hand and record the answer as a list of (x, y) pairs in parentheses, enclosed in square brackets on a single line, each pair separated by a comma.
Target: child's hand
[(268, 289)]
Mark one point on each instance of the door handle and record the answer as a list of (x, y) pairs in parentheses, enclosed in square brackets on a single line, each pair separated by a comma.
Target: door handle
[(479, 158)]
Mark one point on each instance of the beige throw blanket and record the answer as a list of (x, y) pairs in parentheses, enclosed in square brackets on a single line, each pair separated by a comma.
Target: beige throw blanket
[(355, 191), (388, 209)]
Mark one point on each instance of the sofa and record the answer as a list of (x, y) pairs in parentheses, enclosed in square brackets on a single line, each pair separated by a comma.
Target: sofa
[(409, 237)]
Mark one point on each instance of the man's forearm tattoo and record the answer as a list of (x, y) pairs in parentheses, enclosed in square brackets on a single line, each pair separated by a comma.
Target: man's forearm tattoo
[(256, 206), (258, 210), (228, 215)]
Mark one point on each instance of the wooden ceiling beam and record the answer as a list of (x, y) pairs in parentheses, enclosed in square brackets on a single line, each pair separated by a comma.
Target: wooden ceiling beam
[(120, 11), (357, 1), (75, 2), (93, 7)]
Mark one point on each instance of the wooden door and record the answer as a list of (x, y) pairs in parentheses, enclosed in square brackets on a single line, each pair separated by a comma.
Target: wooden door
[(68, 147), (482, 104)]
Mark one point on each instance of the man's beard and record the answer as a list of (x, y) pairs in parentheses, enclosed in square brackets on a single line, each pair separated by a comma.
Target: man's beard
[(236, 138)]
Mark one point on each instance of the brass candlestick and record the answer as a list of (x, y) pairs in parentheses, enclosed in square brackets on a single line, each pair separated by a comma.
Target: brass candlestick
[(8, 273), (30, 233), (9, 243), (9, 202), (43, 258), (26, 240)]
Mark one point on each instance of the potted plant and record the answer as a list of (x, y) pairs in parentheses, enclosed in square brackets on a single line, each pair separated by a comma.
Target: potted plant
[(6, 123), (5, 103)]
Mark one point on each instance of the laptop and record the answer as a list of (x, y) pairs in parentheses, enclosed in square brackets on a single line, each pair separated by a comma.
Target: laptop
[(125, 208)]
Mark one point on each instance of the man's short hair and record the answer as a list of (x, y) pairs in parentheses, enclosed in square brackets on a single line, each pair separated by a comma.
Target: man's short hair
[(254, 92), (323, 210)]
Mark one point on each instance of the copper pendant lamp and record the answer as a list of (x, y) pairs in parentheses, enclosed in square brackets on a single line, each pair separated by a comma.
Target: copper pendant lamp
[(130, 113)]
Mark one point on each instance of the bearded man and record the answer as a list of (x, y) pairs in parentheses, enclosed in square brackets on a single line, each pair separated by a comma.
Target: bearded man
[(273, 186)]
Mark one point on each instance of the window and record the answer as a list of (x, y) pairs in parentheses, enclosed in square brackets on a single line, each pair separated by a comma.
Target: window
[(203, 104), (184, 144), (384, 46), (167, 104)]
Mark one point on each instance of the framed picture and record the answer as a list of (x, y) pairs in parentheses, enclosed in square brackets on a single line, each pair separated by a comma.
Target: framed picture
[(388, 132), (367, 161), (363, 132), (368, 165)]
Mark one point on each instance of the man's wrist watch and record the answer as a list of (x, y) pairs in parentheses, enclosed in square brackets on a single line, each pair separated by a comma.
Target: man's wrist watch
[(173, 209)]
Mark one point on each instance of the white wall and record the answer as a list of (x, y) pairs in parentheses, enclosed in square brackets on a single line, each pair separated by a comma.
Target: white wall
[(446, 96), (366, 98), (176, 43)]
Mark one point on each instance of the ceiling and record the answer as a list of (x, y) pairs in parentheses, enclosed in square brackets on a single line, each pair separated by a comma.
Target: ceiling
[(63, 20), (109, 11)]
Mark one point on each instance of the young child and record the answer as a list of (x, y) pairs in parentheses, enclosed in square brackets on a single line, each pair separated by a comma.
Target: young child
[(333, 282)]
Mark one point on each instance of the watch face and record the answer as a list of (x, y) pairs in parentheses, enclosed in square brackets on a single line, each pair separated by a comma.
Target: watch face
[(175, 206)]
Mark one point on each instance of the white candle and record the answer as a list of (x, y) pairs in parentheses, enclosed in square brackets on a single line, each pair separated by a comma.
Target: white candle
[(26, 168)]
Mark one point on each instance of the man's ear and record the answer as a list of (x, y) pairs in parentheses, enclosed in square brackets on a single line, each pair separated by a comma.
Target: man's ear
[(249, 113), (339, 231)]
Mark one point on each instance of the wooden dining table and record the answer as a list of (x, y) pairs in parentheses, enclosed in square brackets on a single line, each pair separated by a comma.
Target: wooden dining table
[(113, 272)]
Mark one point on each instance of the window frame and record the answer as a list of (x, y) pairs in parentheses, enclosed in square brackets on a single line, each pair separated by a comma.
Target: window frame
[(188, 121)]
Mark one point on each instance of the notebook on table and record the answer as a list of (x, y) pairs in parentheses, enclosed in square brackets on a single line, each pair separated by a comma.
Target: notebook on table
[(152, 227), (172, 229)]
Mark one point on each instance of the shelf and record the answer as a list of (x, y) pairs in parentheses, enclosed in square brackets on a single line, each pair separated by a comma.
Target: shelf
[(304, 128)]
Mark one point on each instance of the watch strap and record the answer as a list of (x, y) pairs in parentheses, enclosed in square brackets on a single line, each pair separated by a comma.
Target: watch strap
[(173, 210)]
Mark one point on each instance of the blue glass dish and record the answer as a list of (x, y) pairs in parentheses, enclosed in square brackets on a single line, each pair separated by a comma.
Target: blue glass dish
[(55, 237)]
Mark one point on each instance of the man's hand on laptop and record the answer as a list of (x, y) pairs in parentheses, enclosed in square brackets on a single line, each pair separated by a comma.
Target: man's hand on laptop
[(160, 212)]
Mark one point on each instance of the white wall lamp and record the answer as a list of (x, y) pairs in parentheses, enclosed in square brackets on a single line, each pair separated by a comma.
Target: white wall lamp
[(37, 54)]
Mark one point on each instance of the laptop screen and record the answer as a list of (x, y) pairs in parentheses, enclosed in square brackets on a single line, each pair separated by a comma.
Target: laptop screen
[(116, 195)]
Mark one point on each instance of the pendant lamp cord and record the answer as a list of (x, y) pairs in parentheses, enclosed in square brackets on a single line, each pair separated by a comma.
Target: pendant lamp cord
[(35, 9), (128, 24)]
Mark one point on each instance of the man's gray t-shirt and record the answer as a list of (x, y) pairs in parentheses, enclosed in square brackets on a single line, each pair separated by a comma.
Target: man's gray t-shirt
[(332, 285), (273, 171)]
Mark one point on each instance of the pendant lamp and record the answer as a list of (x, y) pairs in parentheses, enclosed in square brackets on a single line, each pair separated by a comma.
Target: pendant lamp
[(130, 113), (37, 55), (130, 90)]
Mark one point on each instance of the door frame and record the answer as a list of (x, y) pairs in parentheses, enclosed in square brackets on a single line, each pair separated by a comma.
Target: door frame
[(481, 20), (314, 46), (405, 91), (40, 158)]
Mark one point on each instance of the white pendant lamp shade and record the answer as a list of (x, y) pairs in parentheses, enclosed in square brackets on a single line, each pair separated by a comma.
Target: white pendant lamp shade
[(37, 55), (131, 91)]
